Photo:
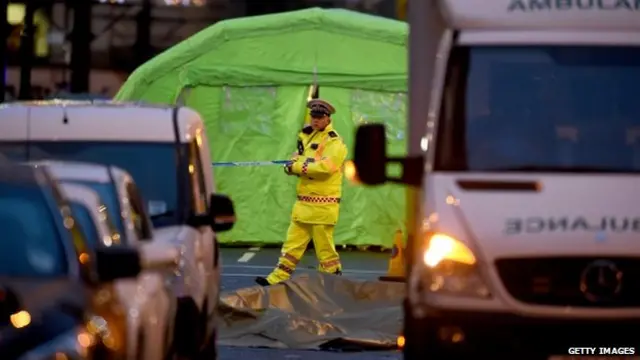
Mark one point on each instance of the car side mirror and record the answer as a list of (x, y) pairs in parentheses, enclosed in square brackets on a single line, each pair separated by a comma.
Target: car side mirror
[(370, 159), (159, 256), (221, 216), (120, 262)]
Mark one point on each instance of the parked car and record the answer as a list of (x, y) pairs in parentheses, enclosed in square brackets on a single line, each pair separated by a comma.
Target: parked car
[(148, 307), (57, 292), (166, 150)]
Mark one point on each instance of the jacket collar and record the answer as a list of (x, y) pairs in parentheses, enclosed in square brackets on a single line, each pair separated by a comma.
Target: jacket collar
[(327, 129)]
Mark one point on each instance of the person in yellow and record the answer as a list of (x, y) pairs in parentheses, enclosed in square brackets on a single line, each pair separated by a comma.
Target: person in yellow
[(318, 163)]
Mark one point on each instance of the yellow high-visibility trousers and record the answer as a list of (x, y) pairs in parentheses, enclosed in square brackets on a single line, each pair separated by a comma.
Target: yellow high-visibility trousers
[(298, 237)]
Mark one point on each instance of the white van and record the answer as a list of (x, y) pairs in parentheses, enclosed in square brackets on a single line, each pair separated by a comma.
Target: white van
[(149, 311), (166, 151), (523, 166)]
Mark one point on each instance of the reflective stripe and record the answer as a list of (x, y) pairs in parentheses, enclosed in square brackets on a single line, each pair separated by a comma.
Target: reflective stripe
[(321, 148), (290, 258), (319, 199), (332, 167), (330, 263), (285, 268)]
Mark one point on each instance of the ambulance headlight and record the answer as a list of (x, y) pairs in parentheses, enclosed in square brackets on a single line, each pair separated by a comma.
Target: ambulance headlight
[(451, 267)]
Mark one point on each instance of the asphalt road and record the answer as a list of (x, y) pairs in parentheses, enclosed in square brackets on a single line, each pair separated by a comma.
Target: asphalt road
[(241, 266)]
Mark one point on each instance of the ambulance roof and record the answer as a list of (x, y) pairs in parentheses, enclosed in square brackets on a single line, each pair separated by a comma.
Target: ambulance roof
[(551, 15)]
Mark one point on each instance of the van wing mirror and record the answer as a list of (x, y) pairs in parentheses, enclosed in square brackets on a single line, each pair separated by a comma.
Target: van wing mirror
[(370, 155), (119, 262), (221, 213), (370, 159)]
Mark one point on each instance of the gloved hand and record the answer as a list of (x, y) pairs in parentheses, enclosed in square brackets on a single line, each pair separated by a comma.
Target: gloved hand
[(287, 168)]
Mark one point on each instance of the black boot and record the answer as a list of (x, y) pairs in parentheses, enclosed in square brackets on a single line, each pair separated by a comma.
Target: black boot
[(338, 272), (262, 281)]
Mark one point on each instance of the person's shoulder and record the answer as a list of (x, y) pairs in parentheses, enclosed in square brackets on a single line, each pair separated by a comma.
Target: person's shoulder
[(334, 137), (307, 129), (333, 134)]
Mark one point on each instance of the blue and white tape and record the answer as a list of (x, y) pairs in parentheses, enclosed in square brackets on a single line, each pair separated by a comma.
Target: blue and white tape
[(250, 163)]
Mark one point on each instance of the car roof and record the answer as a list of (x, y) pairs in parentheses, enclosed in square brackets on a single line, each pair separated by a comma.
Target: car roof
[(75, 170)]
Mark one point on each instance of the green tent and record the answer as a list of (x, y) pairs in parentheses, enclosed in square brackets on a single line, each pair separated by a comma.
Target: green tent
[(249, 78)]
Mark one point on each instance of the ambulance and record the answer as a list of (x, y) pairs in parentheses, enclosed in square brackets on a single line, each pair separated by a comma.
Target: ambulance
[(523, 178)]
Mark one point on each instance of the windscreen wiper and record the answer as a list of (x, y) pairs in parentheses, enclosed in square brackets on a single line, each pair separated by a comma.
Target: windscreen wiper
[(565, 169)]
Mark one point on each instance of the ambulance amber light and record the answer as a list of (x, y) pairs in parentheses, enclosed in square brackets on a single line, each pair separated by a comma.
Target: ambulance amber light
[(351, 172), (443, 247)]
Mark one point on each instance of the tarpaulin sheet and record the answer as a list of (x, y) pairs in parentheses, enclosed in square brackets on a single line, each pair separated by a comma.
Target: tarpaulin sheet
[(313, 311)]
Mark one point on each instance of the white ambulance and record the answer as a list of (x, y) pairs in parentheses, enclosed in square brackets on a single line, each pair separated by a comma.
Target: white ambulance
[(523, 169), (166, 151)]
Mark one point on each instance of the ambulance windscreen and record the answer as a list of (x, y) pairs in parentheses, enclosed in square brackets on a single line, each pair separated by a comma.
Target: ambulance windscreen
[(546, 108)]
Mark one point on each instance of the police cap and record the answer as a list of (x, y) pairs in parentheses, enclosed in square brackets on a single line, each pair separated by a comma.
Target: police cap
[(320, 108)]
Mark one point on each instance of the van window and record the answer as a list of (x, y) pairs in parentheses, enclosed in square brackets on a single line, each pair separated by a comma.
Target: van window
[(198, 182), (13, 152), (138, 213), (152, 165), (541, 108)]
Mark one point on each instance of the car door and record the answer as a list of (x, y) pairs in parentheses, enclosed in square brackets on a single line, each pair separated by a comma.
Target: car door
[(157, 305), (204, 244)]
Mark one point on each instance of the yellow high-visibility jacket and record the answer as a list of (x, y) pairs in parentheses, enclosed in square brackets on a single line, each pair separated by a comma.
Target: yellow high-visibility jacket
[(320, 168)]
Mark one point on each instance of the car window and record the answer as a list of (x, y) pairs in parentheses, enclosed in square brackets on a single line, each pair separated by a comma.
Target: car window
[(27, 250), (86, 222), (138, 213), (196, 175), (114, 232), (111, 205)]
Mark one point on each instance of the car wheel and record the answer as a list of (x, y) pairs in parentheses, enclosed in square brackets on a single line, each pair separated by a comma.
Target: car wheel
[(204, 320), (187, 337), (140, 351), (210, 350)]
